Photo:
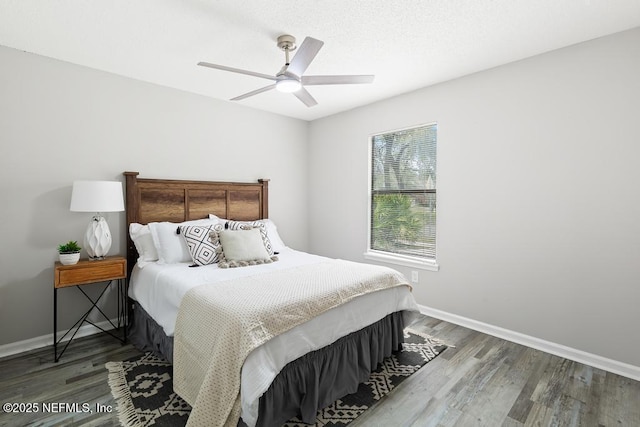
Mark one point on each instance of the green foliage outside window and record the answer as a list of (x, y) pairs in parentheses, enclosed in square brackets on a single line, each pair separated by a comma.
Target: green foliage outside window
[(395, 223)]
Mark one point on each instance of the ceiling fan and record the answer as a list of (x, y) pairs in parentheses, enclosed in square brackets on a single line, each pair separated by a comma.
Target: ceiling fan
[(290, 78)]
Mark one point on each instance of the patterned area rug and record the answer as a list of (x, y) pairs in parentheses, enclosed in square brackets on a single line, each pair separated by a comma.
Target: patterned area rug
[(143, 389)]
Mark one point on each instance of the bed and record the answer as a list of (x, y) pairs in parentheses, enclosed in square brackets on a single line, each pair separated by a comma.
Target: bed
[(318, 353)]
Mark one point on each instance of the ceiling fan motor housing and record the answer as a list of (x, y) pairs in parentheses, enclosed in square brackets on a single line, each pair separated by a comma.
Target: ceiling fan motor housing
[(287, 42)]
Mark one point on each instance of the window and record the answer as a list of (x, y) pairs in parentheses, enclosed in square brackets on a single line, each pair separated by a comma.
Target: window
[(402, 220)]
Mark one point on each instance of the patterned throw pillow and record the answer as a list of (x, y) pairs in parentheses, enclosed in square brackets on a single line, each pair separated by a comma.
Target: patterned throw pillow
[(202, 244), (248, 225)]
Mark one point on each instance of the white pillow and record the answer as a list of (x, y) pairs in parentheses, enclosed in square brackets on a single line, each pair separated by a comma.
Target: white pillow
[(170, 246), (217, 218), (243, 245), (272, 231), (141, 236)]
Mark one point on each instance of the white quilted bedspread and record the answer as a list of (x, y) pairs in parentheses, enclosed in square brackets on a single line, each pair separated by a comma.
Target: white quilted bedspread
[(218, 326)]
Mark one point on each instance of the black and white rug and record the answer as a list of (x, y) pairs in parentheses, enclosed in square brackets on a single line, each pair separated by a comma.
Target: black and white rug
[(143, 390)]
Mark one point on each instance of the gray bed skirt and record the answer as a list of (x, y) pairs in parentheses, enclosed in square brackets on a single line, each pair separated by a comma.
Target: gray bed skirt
[(146, 335), (308, 383)]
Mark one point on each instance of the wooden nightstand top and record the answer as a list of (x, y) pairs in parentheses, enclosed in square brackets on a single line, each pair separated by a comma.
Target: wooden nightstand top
[(86, 271)]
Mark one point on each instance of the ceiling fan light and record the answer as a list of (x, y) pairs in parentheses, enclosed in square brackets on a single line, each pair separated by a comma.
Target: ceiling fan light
[(288, 85)]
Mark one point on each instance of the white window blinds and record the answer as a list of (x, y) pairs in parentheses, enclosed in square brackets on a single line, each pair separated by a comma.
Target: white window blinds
[(403, 192)]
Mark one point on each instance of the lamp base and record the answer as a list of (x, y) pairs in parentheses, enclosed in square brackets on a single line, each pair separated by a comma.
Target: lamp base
[(97, 239)]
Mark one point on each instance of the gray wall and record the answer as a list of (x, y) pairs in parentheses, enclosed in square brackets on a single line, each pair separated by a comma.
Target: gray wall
[(538, 199), (60, 122)]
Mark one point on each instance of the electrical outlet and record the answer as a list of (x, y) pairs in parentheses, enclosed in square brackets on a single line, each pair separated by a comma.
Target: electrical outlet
[(414, 276)]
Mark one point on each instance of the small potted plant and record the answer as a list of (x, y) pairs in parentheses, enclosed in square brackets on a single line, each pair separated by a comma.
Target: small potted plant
[(69, 252)]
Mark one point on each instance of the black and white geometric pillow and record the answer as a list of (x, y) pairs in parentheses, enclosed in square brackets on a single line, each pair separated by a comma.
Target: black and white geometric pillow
[(248, 225), (203, 250)]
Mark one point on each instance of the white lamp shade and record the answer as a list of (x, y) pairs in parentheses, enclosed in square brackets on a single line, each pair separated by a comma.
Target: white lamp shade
[(97, 196)]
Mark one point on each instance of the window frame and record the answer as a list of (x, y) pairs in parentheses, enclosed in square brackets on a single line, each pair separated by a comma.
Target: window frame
[(390, 257)]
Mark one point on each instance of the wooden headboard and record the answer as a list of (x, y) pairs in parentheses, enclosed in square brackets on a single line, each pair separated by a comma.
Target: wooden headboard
[(156, 200)]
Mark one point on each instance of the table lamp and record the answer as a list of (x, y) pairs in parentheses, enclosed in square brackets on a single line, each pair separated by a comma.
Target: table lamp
[(97, 196)]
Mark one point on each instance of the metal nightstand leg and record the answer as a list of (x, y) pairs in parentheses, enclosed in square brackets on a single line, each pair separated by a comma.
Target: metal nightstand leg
[(84, 318)]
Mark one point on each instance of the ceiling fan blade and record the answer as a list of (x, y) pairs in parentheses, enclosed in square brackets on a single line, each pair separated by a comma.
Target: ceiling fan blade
[(237, 70), (305, 97), (336, 80), (306, 52), (254, 92)]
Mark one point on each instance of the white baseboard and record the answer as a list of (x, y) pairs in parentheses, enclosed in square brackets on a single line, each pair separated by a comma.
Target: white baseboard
[(610, 365), (47, 340)]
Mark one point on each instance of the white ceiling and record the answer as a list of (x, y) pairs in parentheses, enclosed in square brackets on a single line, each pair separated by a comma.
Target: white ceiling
[(407, 44)]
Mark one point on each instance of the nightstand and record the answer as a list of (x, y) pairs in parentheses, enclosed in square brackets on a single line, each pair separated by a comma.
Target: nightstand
[(86, 272)]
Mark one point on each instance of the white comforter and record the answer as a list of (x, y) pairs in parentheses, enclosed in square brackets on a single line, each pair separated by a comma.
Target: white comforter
[(159, 290)]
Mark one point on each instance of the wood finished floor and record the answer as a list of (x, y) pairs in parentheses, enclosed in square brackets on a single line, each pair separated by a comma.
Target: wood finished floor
[(483, 381)]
